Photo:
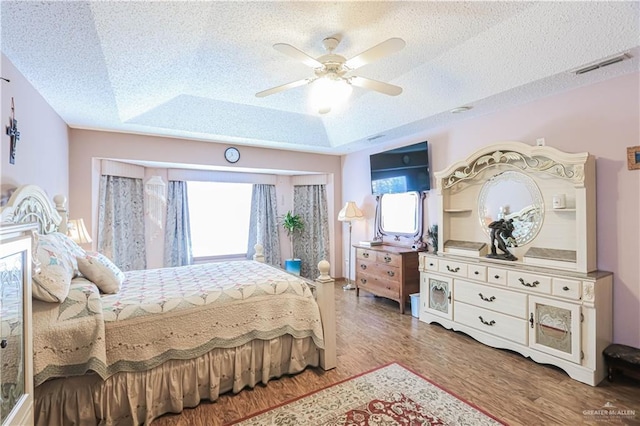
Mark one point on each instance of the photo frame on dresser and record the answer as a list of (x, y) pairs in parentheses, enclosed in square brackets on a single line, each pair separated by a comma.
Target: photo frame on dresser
[(633, 158)]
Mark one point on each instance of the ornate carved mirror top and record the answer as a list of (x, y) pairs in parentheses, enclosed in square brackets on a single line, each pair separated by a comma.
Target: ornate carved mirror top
[(512, 195)]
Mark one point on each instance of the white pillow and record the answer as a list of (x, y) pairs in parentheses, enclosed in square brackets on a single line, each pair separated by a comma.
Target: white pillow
[(55, 259), (97, 268)]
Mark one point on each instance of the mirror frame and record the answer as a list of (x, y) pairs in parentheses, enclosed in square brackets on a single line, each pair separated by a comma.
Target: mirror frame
[(415, 237)]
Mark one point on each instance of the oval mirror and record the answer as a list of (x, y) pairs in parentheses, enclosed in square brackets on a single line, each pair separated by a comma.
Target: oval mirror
[(512, 195)]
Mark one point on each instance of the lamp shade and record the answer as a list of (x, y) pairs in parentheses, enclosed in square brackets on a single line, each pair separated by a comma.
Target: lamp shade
[(78, 232), (350, 212)]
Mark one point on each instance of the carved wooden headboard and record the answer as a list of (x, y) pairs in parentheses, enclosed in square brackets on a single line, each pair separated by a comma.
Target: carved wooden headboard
[(30, 204)]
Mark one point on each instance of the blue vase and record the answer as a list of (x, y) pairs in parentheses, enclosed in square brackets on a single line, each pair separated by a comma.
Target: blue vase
[(292, 266)]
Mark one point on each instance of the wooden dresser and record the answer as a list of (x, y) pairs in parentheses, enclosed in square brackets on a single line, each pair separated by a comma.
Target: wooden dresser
[(387, 271)]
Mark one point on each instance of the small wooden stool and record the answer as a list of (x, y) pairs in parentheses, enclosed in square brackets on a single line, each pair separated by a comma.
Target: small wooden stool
[(622, 358)]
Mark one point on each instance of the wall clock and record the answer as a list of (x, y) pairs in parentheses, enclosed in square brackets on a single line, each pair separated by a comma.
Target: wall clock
[(232, 155)]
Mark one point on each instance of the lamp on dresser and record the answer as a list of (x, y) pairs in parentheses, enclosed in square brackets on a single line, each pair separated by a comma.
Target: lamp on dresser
[(78, 231), (349, 213)]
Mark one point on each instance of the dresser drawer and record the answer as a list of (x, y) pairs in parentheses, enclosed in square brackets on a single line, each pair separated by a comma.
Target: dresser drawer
[(384, 288), (477, 272), (381, 272), (452, 267), (429, 264), (388, 259), (568, 289), (365, 254), (501, 325), (495, 299), (496, 276), (530, 282)]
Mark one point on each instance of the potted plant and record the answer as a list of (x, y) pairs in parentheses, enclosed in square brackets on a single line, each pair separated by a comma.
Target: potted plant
[(292, 223), (432, 233)]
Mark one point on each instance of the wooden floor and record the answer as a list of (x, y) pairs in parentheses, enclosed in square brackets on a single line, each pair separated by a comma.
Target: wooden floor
[(372, 332)]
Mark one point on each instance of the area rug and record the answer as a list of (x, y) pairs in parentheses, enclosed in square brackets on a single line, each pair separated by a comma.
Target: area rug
[(389, 395)]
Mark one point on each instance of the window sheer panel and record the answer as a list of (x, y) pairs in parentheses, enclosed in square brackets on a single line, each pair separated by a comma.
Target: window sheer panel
[(219, 214)]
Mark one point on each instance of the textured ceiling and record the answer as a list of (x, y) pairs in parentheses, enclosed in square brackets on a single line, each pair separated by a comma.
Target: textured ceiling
[(191, 69)]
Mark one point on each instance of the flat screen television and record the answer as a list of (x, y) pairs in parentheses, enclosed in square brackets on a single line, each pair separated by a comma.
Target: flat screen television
[(401, 170)]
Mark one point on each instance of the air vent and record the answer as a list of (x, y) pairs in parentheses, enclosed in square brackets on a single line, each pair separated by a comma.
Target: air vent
[(603, 64), (372, 138)]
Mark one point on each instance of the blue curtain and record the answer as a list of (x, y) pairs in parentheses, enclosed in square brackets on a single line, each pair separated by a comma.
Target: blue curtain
[(177, 233), (312, 244), (121, 222), (263, 223)]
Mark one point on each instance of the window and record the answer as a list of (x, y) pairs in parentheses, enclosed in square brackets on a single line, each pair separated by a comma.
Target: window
[(219, 217)]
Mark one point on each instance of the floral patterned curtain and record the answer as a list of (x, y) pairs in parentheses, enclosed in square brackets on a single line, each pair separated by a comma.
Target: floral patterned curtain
[(312, 244), (263, 224), (177, 232), (121, 222)]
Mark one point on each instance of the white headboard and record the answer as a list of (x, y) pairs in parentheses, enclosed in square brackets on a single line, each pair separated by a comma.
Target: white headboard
[(30, 204)]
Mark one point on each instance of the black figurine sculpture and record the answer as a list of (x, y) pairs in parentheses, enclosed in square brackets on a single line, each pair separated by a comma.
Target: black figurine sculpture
[(501, 238)]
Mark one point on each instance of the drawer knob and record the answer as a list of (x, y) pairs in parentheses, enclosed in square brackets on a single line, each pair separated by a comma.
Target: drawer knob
[(3, 343), (387, 259), (363, 281), (497, 277), (450, 269), (565, 288), (487, 299), (363, 266), (365, 254), (526, 284), (391, 273), (489, 323), (431, 264), (476, 272)]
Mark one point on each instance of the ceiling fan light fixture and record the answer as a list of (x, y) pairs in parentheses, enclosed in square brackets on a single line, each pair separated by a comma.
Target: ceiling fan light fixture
[(328, 93)]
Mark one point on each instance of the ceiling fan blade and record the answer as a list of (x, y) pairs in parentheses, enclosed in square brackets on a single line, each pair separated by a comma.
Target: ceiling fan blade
[(282, 88), (298, 54), (378, 86), (376, 52)]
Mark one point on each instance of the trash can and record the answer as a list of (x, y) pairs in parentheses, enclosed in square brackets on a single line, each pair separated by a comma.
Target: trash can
[(415, 304)]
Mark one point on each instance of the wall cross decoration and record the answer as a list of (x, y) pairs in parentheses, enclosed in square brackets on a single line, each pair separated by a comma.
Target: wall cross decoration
[(14, 134)]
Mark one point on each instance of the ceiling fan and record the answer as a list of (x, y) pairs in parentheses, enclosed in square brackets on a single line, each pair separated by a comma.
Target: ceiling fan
[(334, 71)]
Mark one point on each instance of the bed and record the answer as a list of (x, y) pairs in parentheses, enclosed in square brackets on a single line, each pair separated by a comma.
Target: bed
[(168, 338)]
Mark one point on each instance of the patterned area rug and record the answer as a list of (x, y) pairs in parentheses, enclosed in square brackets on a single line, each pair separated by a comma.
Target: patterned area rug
[(390, 395)]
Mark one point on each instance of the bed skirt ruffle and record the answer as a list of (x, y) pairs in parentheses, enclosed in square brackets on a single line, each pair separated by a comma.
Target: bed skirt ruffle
[(138, 398)]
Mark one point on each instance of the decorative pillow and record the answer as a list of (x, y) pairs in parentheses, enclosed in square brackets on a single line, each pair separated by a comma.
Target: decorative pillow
[(97, 267), (55, 258)]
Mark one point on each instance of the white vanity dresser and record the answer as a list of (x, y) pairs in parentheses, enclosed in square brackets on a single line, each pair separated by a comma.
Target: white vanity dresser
[(550, 304)]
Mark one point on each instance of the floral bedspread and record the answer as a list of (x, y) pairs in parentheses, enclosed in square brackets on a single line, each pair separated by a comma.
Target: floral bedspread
[(185, 312)]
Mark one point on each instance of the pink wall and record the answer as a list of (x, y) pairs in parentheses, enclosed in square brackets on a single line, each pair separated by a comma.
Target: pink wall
[(603, 119), (86, 146), (42, 155)]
